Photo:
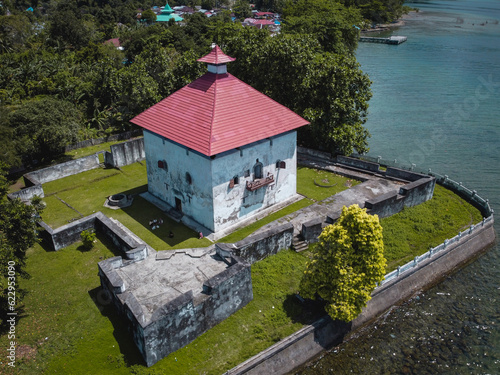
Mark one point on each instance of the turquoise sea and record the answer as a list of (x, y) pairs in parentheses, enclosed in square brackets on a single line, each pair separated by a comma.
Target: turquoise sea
[(436, 104)]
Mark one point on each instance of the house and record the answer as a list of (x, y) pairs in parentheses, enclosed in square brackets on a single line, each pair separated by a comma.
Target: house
[(218, 151)]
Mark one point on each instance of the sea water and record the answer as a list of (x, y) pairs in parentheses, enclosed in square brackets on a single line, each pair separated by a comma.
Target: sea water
[(436, 104)]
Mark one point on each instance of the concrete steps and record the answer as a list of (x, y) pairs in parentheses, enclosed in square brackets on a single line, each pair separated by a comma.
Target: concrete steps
[(298, 244)]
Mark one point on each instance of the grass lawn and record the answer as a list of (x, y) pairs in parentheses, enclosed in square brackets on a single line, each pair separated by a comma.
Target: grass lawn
[(67, 328), (415, 230)]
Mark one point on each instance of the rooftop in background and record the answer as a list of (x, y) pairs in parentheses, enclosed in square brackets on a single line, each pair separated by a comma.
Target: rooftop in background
[(217, 113)]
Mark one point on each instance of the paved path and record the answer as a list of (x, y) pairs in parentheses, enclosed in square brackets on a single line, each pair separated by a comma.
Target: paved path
[(356, 194)]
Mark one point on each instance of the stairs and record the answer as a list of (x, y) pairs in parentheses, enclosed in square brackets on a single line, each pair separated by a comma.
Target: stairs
[(298, 244), (175, 215)]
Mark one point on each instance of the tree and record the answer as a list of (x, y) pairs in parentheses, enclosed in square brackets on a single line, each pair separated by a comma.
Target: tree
[(347, 263), (18, 225), (148, 16), (327, 20), (43, 127), (327, 89), (242, 9)]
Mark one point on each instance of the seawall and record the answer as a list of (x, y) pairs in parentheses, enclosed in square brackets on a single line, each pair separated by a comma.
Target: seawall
[(311, 340)]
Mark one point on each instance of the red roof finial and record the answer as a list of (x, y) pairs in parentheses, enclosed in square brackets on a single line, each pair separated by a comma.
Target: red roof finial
[(216, 57)]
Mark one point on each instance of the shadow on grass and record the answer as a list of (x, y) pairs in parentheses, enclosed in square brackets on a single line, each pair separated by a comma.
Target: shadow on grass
[(121, 333), (328, 332), (305, 312), (170, 232)]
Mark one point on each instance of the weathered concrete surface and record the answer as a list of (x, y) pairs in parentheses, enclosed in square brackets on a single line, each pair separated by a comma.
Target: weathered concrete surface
[(172, 297), (357, 194), (294, 350), (125, 153), (261, 245), (62, 170)]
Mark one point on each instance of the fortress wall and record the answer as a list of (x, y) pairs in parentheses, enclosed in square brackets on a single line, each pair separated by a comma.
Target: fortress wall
[(62, 170), (125, 153), (257, 247), (180, 321), (311, 340)]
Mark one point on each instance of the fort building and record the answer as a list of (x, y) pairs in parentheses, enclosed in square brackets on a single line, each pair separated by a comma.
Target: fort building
[(218, 151)]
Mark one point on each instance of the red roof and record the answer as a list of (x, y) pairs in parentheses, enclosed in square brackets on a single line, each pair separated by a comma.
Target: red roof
[(216, 56), (217, 113)]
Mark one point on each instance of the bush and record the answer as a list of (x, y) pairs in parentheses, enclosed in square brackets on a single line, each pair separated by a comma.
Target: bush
[(88, 238)]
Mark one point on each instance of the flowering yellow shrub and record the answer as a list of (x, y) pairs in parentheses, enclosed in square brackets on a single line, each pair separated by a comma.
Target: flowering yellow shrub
[(347, 263)]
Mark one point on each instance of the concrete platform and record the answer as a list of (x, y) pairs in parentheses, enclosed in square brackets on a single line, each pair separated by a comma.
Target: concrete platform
[(166, 275)]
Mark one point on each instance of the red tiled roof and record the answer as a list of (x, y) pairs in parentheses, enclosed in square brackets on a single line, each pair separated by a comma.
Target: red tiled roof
[(216, 56), (217, 113)]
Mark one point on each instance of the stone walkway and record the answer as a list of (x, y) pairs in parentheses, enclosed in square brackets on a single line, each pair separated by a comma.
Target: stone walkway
[(358, 194)]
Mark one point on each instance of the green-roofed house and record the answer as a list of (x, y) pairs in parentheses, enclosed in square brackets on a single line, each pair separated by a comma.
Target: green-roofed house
[(167, 14)]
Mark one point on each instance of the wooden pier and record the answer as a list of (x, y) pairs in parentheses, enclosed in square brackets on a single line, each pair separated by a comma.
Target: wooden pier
[(390, 40)]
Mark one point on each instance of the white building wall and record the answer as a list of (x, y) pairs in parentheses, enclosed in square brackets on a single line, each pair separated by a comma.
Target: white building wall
[(234, 204), (209, 199), (170, 183)]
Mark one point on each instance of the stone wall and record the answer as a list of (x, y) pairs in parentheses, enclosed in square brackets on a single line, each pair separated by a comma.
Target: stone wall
[(121, 237), (28, 193), (257, 247), (181, 320), (125, 153), (409, 195), (62, 170), (97, 141), (310, 341), (358, 163)]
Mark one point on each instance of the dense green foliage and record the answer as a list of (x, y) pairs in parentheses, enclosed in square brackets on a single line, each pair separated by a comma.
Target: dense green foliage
[(18, 232), (347, 263), (56, 54)]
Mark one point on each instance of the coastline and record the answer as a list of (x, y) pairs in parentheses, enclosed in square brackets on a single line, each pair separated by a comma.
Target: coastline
[(388, 26)]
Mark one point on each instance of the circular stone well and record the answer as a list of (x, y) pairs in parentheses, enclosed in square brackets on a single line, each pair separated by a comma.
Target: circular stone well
[(117, 200)]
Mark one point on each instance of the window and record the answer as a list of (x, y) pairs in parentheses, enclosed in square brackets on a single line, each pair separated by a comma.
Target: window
[(247, 173), (234, 181), (280, 164), (189, 179), (163, 165), (257, 170)]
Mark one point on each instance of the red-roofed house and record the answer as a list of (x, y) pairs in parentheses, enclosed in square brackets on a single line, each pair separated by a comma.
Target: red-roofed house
[(218, 151)]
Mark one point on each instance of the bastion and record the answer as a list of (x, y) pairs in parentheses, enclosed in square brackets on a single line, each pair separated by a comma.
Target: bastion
[(172, 297)]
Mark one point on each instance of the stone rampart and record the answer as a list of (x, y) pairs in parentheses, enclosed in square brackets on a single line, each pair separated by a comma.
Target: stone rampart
[(181, 320), (97, 141), (62, 170), (28, 193), (125, 153), (416, 276), (358, 163), (259, 246), (70, 233)]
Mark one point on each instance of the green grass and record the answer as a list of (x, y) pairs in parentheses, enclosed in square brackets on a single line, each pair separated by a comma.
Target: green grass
[(86, 151), (87, 337), (306, 178), (70, 333), (415, 230), (86, 193)]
